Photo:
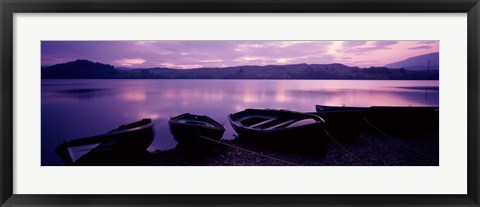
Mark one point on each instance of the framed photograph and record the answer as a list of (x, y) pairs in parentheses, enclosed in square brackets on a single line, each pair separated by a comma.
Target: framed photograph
[(188, 103)]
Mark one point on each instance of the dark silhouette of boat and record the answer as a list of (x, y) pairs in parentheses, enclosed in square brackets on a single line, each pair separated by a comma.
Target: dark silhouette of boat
[(196, 132), (345, 124), (115, 147), (387, 118), (281, 129)]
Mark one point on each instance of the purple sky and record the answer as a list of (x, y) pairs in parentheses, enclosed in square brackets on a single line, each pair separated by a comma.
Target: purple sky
[(194, 54)]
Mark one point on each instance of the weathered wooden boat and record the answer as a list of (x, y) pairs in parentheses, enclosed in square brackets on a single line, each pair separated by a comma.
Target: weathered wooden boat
[(344, 124), (195, 131), (389, 118), (281, 129), (114, 147)]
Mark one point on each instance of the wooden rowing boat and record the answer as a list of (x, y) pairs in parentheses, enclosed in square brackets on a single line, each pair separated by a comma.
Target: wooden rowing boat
[(196, 131), (119, 144), (281, 129)]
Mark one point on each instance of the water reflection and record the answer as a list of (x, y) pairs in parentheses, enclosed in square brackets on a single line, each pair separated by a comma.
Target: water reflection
[(368, 97), (424, 88), (85, 93), (153, 116), (282, 96), (136, 95), (88, 107)]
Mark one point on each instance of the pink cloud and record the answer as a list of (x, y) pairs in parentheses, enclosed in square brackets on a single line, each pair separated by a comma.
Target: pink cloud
[(420, 47), (130, 62)]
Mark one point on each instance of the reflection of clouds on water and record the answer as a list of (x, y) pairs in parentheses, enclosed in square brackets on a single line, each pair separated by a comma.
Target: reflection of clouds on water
[(216, 95), (384, 96), (168, 94), (151, 115), (368, 98), (421, 88), (83, 93), (208, 95), (239, 107), (136, 95), (250, 97), (282, 96)]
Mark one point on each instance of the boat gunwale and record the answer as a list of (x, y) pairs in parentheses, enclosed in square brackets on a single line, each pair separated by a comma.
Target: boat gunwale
[(196, 125), (318, 121)]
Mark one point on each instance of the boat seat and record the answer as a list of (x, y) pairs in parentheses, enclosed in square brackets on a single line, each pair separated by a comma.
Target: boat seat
[(303, 122), (282, 124), (202, 123), (262, 123)]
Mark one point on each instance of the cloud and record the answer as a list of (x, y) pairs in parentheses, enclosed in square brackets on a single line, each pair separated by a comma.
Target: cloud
[(366, 49), (130, 62), (249, 58), (427, 42), (211, 61), (365, 61), (180, 66), (420, 47), (283, 60), (384, 43), (283, 44), (354, 43), (358, 47), (241, 46), (145, 42)]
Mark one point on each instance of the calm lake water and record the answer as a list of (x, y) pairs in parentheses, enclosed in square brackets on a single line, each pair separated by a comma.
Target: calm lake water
[(79, 108)]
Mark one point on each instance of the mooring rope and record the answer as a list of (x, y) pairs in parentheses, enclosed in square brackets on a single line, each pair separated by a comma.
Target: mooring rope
[(250, 151), (393, 139), (345, 149)]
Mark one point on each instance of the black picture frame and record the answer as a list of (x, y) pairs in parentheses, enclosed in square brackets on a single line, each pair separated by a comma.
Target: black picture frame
[(10, 7)]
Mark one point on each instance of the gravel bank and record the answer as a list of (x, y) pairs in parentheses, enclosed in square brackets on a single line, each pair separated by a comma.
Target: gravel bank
[(370, 149)]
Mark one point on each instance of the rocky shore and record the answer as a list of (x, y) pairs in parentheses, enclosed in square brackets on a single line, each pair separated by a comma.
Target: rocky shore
[(370, 149)]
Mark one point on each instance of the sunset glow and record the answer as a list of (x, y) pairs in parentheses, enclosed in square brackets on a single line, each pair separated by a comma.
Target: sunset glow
[(130, 62)]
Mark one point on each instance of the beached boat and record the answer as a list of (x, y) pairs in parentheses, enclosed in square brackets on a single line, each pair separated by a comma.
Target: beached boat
[(323, 108), (394, 118), (345, 124), (199, 132), (122, 143), (280, 128)]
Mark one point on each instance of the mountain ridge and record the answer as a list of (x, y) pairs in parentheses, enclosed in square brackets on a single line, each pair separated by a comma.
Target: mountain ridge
[(85, 69), (428, 61)]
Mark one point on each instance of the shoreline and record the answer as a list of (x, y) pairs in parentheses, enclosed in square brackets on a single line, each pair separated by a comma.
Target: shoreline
[(370, 149)]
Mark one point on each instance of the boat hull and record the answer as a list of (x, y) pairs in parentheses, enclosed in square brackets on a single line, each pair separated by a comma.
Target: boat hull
[(196, 135), (305, 138), (404, 119), (117, 147), (384, 118), (195, 132)]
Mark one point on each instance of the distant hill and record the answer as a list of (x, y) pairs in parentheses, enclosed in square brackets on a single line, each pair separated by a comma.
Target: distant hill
[(80, 69), (418, 62), (84, 69)]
